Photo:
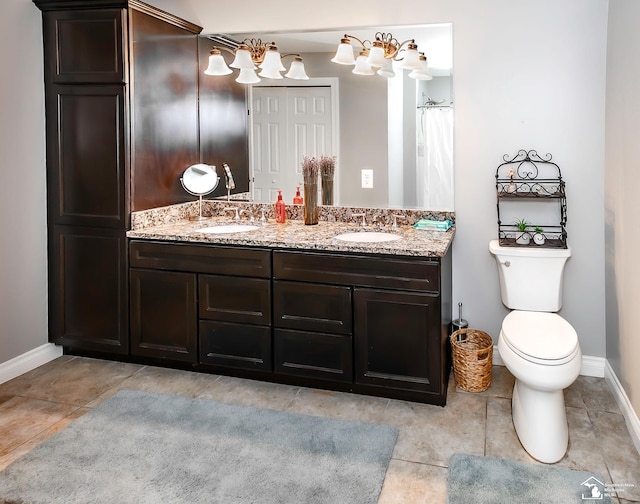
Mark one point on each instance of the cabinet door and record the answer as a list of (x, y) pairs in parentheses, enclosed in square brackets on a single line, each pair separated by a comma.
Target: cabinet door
[(397, 339), (164, 315), (84, 46), (88, 289), (86, 151)]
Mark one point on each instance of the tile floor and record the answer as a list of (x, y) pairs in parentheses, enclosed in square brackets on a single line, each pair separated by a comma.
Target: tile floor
[(41, 402)]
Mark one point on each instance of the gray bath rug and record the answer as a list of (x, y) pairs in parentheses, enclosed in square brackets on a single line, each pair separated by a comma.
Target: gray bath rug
[(138, 447), (487, 480)]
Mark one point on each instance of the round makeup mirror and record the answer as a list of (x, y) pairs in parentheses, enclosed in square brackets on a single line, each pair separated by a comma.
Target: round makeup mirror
[(200, 180)]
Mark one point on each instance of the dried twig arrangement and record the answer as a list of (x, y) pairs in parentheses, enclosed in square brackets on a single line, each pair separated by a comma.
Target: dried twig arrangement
[(327, 166), (310, 169)]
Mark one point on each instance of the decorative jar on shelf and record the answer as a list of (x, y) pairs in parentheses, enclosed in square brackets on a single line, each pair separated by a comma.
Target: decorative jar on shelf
[(539, 237)]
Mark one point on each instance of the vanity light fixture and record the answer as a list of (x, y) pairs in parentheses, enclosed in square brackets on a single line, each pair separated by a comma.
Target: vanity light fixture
[(252, 55), (377, 56)]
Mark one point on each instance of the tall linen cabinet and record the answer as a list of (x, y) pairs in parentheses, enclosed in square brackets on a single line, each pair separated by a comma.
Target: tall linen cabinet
[(111, 111)]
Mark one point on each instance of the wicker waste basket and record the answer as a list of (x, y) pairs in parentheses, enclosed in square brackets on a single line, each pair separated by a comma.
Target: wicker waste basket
[(472, 359)]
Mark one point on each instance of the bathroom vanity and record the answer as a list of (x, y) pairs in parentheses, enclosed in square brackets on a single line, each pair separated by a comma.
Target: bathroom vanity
[(292, 304), (130, 277)]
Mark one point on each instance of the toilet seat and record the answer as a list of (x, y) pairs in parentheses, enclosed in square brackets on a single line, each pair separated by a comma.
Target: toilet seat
[(540, 337)]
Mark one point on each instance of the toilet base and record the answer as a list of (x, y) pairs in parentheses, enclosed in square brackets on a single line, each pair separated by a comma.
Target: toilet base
[(540, 420)]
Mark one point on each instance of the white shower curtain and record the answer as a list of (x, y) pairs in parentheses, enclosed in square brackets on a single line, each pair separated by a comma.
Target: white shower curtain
[(434, 166)]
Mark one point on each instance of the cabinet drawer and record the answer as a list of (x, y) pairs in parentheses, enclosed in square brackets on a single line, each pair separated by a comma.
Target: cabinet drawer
[(315, 355), (235, 299), (237, 261), (366, 271), (312, 307), (235, 345)]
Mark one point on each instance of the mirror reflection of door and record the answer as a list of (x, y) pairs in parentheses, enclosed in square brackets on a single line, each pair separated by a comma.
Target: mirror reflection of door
[(287, 124)]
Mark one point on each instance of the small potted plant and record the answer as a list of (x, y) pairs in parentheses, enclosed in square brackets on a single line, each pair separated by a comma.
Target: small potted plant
[(538, 236), (522, 235)]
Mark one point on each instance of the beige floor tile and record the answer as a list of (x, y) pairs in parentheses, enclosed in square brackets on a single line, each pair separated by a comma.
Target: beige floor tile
[(73, 381), (411, 483), (622, 459), (162, 381), (501, 438), (23, 418), (29, 445), (596, 394), (431, 434), (356, 407), (582, 440), (501, 384), (245, 392)]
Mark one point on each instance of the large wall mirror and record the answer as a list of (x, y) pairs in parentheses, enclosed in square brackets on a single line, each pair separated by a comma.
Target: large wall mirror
[(392, 137)]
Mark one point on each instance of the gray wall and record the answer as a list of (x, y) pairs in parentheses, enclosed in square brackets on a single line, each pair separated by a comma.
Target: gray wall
[(23, 235), (622, 240)]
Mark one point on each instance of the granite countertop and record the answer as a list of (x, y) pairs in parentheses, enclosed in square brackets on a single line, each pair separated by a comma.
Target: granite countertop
[(294, 234)]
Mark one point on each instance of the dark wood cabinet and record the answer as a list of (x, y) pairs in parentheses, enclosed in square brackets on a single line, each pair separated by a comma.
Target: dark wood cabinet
[(103, 104), (164, 315), (86, 151), (87, 288), (84, 46), (363, 323), (380, 322), (398, 339), (213, 300)]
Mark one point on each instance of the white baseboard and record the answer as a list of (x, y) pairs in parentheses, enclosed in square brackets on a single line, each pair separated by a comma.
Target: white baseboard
[(28, 361), (630, 416), (591, 366)]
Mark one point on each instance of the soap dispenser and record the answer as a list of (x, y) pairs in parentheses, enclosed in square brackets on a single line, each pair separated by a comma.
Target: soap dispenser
[(297, 199), (280, 209)]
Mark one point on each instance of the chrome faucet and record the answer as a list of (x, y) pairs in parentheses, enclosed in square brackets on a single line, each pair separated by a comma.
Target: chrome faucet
[(233, 209), (364, 222), (395, 220), (229, 183), (249, 213)]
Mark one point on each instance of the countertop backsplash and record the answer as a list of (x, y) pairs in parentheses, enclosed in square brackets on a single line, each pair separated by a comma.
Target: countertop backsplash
[(210, 208)]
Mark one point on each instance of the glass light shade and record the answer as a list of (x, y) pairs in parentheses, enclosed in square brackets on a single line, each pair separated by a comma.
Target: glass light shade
[(362, 67), (411, 59), (296, 70), (270, 74), (387, 70), (272, 61), (376, 55), (243, 59), (247, 76), (421, 73), (217, 64), (344, 54)]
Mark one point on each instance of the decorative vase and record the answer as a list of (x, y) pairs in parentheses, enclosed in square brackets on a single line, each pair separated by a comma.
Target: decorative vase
[(538, 239), (523, 238), (327, 190), (310, 204)]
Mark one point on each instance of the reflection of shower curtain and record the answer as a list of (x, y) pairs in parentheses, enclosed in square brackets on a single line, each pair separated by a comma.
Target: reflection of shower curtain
[(434, 168)]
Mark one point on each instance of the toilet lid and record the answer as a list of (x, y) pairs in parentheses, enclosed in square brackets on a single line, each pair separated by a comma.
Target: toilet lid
[(539, 335)]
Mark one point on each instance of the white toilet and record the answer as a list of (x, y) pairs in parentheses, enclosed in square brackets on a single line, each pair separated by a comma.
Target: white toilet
[(537, 346)]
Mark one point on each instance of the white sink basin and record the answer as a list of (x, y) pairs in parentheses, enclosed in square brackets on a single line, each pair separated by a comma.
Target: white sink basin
[(367, 237), (228, 228)]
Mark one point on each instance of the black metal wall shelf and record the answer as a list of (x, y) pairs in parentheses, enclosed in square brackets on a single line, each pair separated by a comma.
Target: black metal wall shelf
[(531, 177)]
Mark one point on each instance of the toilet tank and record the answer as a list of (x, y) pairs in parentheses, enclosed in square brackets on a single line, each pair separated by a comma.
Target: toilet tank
[(530, 277)]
